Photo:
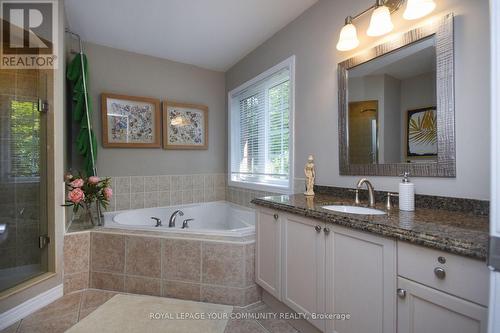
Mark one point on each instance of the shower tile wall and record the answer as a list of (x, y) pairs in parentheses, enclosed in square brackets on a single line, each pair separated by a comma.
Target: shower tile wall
[(157, 191), (164, 190)]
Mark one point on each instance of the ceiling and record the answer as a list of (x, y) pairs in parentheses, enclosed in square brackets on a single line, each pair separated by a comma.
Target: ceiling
[(213, 34)]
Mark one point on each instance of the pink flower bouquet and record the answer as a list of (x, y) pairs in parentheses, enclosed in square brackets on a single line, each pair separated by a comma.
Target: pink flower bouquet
[(83, 192)]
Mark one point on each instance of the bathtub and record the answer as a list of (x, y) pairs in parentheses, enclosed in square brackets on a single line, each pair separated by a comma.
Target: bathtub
[(218, 218)]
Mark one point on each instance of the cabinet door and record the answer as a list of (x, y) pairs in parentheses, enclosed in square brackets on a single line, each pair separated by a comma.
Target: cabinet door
[(361, 281), (303, 266), (422, 309), (268, 256)]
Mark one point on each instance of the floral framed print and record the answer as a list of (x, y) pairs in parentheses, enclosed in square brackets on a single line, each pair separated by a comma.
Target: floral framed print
[(185, 126), (130, 121), (421, 133)]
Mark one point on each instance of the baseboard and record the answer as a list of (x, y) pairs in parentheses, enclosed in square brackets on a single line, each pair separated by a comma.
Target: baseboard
[(17, 313)]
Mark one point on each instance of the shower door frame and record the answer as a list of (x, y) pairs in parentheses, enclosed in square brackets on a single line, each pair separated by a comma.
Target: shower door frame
[(48, 183)]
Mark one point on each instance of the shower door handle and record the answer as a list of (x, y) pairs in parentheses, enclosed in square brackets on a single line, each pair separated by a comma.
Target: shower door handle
[(43, 241), (43, 106)]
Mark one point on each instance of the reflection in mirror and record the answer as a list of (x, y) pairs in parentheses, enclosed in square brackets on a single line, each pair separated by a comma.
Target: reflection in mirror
[(392, 107)]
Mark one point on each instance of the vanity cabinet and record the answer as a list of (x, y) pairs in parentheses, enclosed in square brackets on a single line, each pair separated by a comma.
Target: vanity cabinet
[(361, 281), (268, 251), (322, 268), (440, 292), (385, 286), (304, 266), (422, 309)]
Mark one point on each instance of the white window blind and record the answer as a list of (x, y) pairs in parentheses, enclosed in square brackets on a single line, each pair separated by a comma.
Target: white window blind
[(260, 138)]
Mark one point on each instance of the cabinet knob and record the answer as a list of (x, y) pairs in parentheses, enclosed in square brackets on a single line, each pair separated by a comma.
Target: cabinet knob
[(326, 230), (317, 228), (401, 293), (276, 216), (440, 273)]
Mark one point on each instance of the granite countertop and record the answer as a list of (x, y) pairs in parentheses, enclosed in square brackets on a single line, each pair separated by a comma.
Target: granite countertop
[(460, 233)]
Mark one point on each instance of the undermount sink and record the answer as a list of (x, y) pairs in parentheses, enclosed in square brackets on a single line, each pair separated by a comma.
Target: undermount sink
[(355, 210)]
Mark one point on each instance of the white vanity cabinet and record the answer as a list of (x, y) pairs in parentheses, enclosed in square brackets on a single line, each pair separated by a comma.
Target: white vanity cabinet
[(386, 286), (327, 269), (361, 281), (440, 292), (303, 266), (422, 309), (268, 251)]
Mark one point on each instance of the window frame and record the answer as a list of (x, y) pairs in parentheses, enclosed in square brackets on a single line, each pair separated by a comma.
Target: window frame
[(288, 63)]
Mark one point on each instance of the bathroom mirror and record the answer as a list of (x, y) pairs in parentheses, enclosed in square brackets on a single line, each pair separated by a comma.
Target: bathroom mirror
[(396, 106)]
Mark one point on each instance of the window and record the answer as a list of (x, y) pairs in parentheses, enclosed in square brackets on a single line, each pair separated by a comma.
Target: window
[(260, 130), (24, 140)]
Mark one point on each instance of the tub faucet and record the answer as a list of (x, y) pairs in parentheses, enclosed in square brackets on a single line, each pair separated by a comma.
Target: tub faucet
[(185, 224), (171, 223), (158, 221), (371, 192)]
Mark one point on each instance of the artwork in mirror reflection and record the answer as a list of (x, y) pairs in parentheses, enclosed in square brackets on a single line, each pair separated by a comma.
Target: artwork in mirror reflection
[(392, 107)]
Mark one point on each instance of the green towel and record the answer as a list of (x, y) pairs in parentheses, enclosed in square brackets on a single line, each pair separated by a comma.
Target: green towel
[(75, 76)]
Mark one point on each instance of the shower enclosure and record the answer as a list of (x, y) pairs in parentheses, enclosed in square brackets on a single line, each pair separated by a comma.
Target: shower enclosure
[(23, 175)]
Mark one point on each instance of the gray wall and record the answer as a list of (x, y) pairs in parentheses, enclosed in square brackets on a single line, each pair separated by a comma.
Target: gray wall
[(312, 38), (127, 73)]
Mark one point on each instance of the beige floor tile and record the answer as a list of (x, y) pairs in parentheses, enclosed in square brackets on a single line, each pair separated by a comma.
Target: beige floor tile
[(66, 305), (94, 298), (52, 325), (244, 326), (12, 328)]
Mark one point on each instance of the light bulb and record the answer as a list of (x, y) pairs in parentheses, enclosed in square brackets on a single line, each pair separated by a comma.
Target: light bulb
[(348, 38), (380, 22), (416, 9)]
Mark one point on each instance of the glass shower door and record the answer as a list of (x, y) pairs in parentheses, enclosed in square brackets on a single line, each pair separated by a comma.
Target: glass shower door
[(23, 189)]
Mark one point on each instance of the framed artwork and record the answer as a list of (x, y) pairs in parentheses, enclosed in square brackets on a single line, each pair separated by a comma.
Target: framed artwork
[(185, 126), (130, 121), (421, 133)]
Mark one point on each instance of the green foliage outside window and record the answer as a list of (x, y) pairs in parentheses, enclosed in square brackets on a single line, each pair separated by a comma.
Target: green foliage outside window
[(25, 139)]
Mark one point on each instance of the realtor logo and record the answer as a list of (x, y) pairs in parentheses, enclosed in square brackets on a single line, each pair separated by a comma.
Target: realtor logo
[(29, 34)]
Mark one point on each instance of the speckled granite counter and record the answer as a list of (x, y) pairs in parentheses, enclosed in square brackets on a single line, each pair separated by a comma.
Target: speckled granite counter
[(456, 232)]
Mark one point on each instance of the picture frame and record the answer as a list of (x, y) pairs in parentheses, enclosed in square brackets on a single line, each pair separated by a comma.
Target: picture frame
[(421, 133), (130, 121), (185, 126)]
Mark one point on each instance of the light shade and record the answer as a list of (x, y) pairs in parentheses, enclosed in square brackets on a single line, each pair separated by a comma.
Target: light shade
[(380, 22), (348, 38), (418, 8)]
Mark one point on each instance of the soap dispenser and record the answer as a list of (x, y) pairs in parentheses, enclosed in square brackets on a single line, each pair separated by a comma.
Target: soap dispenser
[(406, 194)]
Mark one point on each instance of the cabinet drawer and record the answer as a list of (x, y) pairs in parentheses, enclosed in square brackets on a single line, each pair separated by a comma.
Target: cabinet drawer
[(464, 277)]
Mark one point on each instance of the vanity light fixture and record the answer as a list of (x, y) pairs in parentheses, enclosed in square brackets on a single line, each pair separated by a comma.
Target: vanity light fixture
[(348, 39), (416, 9), (380, 21)]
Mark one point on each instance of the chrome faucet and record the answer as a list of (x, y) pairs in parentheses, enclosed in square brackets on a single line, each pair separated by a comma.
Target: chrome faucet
[(371, 192), (158, 221), (171, 222), (185, 224)]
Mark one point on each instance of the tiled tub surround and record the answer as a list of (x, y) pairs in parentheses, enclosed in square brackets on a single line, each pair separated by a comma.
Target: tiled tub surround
[(209, 269), (76, 261), (452, 231), (165, 190)]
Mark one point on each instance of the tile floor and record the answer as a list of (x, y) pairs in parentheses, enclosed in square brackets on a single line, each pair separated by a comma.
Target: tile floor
[(68, 310)]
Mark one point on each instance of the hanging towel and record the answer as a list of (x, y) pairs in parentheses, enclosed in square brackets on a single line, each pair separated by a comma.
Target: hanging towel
[(75, 76)]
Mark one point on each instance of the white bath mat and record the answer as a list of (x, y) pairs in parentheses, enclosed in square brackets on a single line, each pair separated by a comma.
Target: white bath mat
[(136, 313)]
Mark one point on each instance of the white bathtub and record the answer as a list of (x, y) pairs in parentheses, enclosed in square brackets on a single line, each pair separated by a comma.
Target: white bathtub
[(218, 218)]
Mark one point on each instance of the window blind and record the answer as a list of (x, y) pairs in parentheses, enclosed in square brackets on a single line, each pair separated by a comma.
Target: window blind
[(24, 139), (260, 132)]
